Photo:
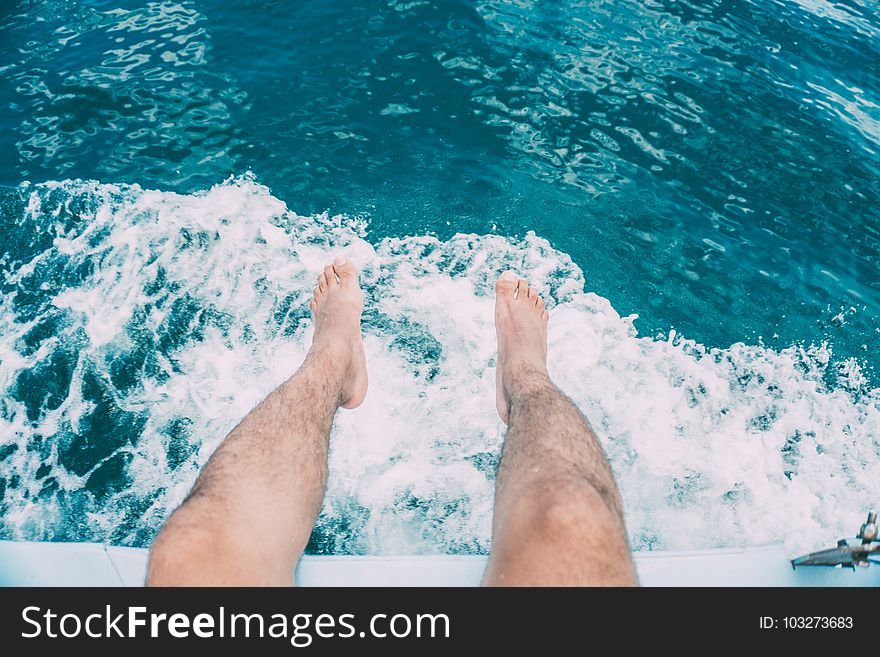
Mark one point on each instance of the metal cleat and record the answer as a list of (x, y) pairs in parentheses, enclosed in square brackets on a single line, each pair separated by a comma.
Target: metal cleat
[(848, 552)]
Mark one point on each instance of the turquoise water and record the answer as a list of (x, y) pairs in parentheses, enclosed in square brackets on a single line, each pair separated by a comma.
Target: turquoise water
[(695, 188)]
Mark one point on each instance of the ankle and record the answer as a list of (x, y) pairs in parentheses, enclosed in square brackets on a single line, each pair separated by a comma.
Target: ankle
[(524, 378), (330, 359)]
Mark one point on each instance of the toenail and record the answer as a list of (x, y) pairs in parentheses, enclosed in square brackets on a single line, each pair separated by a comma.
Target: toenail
[(508, 276), (340, 260)]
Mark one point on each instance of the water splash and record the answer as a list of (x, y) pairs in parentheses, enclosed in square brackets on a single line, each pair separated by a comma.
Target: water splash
[(138, 327)]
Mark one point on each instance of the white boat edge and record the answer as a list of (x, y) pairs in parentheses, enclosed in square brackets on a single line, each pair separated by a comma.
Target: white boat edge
[(94, 564)]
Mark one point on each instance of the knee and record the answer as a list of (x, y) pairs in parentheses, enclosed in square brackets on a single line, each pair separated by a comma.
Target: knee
[(180, 554), (573, 514), (197, 550), (563, 534)]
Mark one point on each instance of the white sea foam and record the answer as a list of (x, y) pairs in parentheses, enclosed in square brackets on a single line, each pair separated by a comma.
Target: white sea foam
[(712, 447)]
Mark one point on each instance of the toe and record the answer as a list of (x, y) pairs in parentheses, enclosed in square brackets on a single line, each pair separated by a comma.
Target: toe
[(330, 275), (533, 295), (522, 289), (322, 282), (345, 269), (539, 303), (313, 304), (545, 315), (506, 284)]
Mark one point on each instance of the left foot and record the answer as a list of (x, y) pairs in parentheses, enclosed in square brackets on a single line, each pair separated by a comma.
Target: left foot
[(521, 326), (336, 308)]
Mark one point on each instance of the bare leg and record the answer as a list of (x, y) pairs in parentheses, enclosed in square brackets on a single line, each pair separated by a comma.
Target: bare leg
[(558, 519), (251, 511)]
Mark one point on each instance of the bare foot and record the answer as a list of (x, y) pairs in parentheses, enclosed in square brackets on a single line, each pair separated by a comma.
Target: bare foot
[(336, 309), (521, 325)]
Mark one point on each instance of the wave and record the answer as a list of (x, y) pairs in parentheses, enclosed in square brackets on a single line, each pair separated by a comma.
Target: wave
[(139, 326)]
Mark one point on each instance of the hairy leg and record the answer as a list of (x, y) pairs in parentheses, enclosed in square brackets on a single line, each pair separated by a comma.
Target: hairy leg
[(558, 518), (251, 511)]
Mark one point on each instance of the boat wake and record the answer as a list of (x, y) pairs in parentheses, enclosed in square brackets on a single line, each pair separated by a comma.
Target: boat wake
[(138, 327)]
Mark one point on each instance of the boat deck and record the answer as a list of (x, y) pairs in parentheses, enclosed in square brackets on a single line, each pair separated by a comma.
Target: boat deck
[(93, 564)]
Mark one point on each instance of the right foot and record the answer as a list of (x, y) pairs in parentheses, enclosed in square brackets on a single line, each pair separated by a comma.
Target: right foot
[(521, 325), (336, 308)]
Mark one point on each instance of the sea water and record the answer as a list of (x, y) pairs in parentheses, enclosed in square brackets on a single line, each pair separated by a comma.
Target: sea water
[(692, 187)]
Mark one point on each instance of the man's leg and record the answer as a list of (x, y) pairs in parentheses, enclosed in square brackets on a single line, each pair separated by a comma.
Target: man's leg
[(558, 517), (251, 511)]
